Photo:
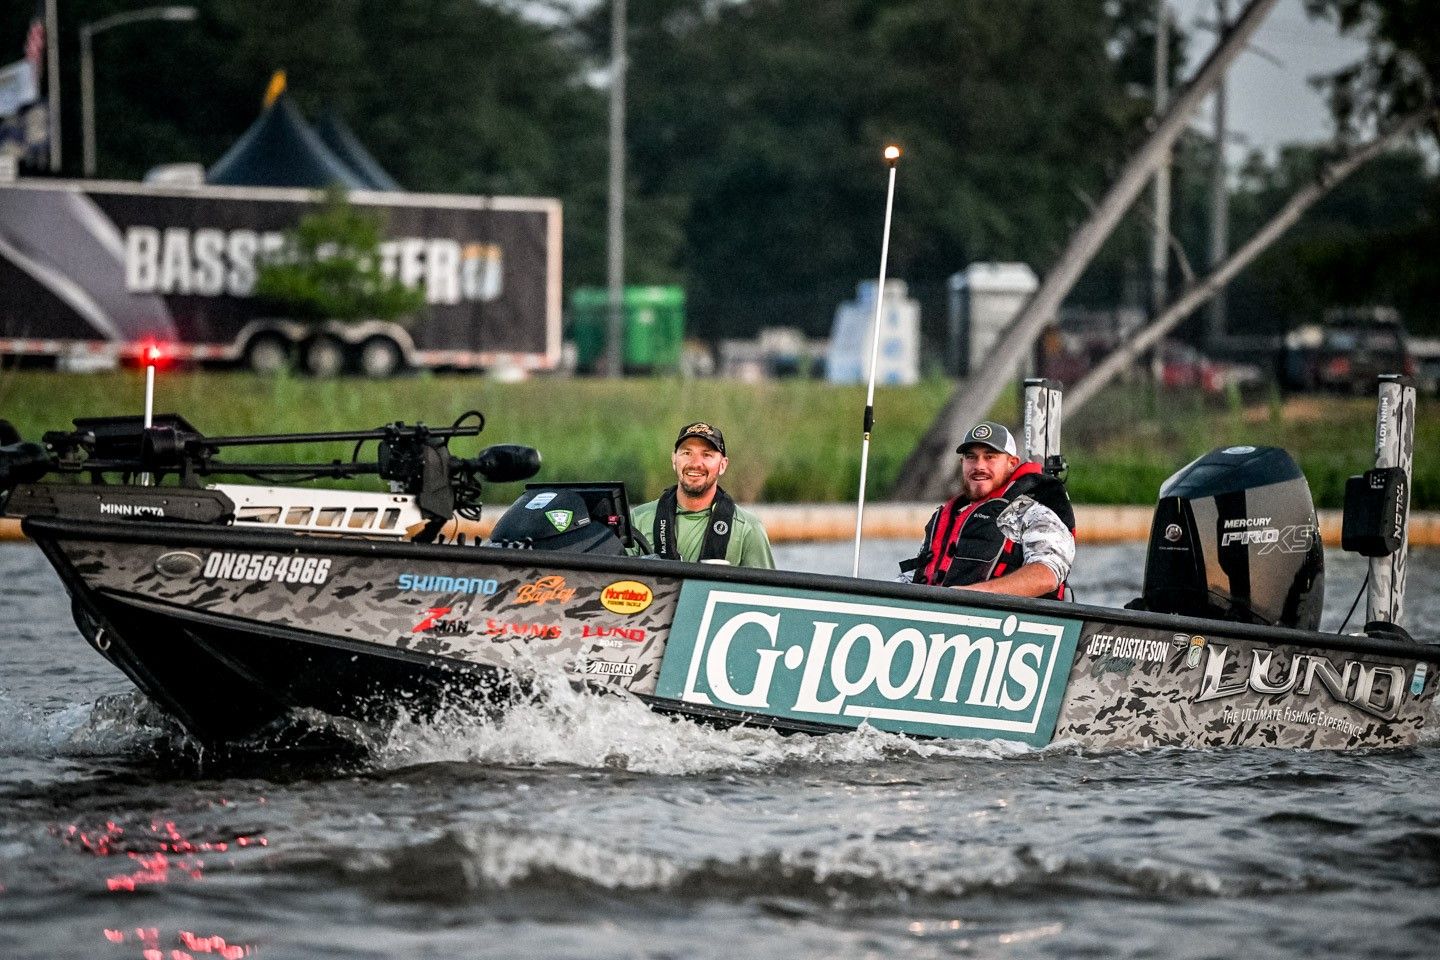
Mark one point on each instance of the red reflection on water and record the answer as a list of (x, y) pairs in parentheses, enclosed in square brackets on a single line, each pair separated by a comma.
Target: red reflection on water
[(157, 855), (148, 940), (164, 852)]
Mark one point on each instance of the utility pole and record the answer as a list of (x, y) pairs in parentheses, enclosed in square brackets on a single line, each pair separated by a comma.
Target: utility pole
[(919, 477), (615, 246), (1219, 194), (1160, 245), (52, 82)]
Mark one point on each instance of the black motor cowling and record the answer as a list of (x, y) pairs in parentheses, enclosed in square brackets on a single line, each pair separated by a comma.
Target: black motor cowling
[(554, 519), (1235, 538)]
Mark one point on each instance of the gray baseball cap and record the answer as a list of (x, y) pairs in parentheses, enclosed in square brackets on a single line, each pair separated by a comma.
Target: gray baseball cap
[(988, 433)]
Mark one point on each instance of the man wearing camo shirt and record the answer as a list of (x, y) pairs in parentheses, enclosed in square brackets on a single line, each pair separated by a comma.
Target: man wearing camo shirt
[(1011, 528)]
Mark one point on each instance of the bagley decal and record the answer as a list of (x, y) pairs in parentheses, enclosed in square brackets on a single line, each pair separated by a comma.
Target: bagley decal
[(626, 596), (912, 667), (544, 590)]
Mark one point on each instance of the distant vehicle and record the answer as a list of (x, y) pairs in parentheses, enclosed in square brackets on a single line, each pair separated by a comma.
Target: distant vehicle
[(1347, 352), (1427, 363), (92, 271), (1182, 366)]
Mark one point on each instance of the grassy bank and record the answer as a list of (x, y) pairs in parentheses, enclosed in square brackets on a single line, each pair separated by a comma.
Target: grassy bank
[(790, 441)]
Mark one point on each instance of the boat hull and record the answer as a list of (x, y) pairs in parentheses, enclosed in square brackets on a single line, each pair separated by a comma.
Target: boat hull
[(231, 631)]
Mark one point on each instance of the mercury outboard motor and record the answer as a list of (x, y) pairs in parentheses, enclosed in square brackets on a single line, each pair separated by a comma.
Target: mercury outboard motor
[(548, 518), (1235, 538)]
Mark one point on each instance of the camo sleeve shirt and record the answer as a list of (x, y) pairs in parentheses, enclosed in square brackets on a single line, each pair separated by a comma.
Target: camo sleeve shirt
[(1042, 535)]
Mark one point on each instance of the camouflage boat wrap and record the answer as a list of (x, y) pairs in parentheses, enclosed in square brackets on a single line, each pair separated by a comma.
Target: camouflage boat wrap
[(606, 628), (1134, 688), (794, 651)]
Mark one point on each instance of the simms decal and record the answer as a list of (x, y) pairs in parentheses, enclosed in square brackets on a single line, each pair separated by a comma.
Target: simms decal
[(266, 567), (914, 667)]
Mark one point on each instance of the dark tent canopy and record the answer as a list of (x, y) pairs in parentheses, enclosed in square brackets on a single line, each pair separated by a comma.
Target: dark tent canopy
[(281, 150), (345, 145)]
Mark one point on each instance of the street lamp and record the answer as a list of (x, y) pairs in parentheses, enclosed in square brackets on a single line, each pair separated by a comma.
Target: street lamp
[(87, 65)]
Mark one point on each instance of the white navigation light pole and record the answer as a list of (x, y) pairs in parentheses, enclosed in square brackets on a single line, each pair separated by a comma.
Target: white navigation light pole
[(892, 157), (87, 65)]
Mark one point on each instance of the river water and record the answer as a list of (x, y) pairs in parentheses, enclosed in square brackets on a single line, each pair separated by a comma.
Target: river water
[(593, 828)]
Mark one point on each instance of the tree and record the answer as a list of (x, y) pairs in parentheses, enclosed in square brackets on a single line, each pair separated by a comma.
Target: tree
[(330, 268), (972, 400)]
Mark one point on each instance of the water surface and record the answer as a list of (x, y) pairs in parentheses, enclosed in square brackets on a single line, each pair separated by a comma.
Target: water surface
[(592, 828)]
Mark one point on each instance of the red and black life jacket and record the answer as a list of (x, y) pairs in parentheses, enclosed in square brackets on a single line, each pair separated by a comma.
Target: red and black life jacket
[(963, 543)]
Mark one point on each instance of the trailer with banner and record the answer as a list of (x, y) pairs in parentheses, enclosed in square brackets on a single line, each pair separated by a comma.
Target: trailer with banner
[(91, 272)]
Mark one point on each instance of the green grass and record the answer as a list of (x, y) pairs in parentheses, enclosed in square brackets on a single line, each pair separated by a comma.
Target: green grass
[(789, 441)]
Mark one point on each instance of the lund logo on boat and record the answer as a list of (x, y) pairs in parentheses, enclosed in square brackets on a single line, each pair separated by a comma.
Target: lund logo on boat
[(266, 568), (178, 563), (1377, 689), (626, 596), (633, 634), (924, 668)]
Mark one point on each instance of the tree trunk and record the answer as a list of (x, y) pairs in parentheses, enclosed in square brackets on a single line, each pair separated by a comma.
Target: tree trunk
[(1326, 180), (929, 470)]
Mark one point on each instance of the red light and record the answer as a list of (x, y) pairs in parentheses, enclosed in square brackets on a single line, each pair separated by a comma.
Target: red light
[(154, 354)]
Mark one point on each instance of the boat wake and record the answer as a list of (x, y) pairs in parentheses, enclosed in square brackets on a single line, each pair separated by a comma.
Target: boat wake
[(560, 725), (462, 865)]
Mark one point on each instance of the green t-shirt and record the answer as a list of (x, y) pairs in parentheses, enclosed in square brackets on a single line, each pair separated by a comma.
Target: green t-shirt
[(748, 547)]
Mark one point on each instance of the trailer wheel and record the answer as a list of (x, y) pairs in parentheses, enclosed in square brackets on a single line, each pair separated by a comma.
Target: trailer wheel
[(268, 354), (380, 357), (324, 356)]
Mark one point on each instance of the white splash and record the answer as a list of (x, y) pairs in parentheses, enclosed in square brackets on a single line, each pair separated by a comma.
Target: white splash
[(563, 726)]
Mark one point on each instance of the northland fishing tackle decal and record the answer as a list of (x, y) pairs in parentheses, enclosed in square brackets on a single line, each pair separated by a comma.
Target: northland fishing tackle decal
[(626, 596), (920, 668)]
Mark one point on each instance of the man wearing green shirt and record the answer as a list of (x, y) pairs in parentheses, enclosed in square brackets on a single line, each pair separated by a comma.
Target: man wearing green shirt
[(696, 519)]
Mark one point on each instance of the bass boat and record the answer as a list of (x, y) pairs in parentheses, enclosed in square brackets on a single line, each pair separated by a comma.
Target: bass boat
[(236, 607)]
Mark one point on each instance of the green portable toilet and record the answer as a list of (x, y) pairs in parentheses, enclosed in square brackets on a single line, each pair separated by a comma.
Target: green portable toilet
[(654, 327)]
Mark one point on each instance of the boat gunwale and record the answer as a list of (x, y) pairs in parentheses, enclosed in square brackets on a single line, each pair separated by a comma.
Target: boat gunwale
[(230, 537)]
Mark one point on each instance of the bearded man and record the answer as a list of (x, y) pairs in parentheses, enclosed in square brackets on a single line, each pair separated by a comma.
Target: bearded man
[(1010, 529), (696, 520)]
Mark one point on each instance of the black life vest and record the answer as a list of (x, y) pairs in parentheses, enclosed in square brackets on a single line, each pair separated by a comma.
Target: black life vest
[(665, 532), (964, 544)]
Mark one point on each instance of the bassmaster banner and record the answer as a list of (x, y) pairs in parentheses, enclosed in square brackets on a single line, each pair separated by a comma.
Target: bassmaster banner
[(124, 262), (919, 668)]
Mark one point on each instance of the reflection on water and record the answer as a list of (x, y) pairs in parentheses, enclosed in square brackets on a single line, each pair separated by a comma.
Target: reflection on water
[(158, 854)]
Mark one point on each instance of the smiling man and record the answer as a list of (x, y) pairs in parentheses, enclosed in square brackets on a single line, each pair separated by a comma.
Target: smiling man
[(1010, 529), (696, 519)]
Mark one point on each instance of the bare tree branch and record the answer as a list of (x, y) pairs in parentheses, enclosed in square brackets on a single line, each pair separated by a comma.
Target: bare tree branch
[(1328, 178), (922, 476)]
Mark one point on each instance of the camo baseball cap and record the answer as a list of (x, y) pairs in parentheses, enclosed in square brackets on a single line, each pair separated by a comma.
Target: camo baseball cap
[(988, 433), (704, 431)]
